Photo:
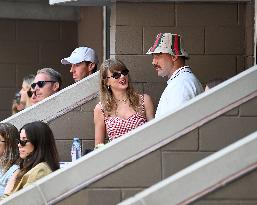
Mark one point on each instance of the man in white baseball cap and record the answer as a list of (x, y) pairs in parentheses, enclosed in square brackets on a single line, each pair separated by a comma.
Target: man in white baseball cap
[(169, 61), (83, 61)]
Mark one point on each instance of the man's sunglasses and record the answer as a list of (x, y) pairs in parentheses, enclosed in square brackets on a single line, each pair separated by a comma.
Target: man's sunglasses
[(22, 142), (116, 75), (41, 83)]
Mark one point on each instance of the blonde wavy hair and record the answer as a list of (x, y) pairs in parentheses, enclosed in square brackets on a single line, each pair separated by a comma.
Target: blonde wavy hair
[(106, 97)]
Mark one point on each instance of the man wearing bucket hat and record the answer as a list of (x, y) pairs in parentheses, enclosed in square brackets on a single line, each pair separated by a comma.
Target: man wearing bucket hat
[(83, 61), (169, 61)]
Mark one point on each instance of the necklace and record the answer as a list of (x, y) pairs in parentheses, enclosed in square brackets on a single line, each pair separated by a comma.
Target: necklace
[(124, 100)]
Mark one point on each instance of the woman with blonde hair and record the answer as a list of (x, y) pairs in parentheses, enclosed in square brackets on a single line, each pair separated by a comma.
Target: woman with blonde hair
[(121, 108), (23, 98), (25, 91)]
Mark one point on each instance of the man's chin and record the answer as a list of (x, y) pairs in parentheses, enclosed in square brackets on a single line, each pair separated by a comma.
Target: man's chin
[(40, 98), (75, 78), (161, 74)]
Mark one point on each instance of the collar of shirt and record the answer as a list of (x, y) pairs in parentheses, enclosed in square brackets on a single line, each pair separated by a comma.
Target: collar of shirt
[(179, 71)]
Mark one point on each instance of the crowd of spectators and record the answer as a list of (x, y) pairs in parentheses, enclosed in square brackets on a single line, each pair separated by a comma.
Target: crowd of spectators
[(30, 153)]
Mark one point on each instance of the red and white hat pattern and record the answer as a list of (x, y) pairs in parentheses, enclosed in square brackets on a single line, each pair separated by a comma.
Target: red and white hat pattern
[(168, 43)]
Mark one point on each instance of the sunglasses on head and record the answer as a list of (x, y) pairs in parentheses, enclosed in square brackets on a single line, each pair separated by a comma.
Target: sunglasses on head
[(41, 83), (117, 75), (22, 142)]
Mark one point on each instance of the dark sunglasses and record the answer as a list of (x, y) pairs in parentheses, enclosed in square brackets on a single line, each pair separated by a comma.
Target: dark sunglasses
[(22, 142), (29, 93), (116, 75), (41, 83)]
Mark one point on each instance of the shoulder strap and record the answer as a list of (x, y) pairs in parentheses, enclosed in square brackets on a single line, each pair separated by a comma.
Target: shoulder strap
[(142, 104), (102, 109)]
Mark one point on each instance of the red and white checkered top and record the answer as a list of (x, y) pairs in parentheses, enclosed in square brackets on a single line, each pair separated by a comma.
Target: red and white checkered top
[(116, 126)]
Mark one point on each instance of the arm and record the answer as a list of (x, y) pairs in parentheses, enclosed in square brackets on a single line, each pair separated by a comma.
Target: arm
[(10, 183), (149, 108), (30, 177), (99, 125)]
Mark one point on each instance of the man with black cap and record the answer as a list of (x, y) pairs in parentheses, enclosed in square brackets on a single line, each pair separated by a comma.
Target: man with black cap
[(83, 61), (169, 61)]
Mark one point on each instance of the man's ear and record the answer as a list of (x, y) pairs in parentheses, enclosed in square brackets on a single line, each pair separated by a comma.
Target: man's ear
[(174, 58), (91, 67), (56, 86)]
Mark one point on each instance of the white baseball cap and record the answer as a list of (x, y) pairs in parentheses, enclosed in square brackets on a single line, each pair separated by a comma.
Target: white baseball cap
[(81, 54)]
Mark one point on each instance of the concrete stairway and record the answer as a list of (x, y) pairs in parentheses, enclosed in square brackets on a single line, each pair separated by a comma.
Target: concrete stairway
[(204, 177)]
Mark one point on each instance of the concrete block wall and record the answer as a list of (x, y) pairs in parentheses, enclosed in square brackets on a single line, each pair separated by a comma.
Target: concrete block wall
[(90, 29), (76, 123), (238, 192), (220, 45), (178, 154), (29, 45)]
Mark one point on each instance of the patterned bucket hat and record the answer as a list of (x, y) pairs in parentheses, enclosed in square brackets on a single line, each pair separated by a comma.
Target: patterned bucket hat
[(168, 43)]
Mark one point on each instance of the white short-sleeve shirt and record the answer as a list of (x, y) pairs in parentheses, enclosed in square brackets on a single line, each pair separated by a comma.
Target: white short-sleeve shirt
[(182, 86)]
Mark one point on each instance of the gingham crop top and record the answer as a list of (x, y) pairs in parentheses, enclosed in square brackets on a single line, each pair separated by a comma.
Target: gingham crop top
[(116, 126)]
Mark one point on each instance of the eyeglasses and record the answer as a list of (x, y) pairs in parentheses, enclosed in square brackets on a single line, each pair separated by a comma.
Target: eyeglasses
[(41, 83), (22, 142), (117, 75)]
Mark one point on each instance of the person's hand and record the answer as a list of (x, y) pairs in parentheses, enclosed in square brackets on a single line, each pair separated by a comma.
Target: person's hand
[(16, 107), (99, 145), (20, 107)]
